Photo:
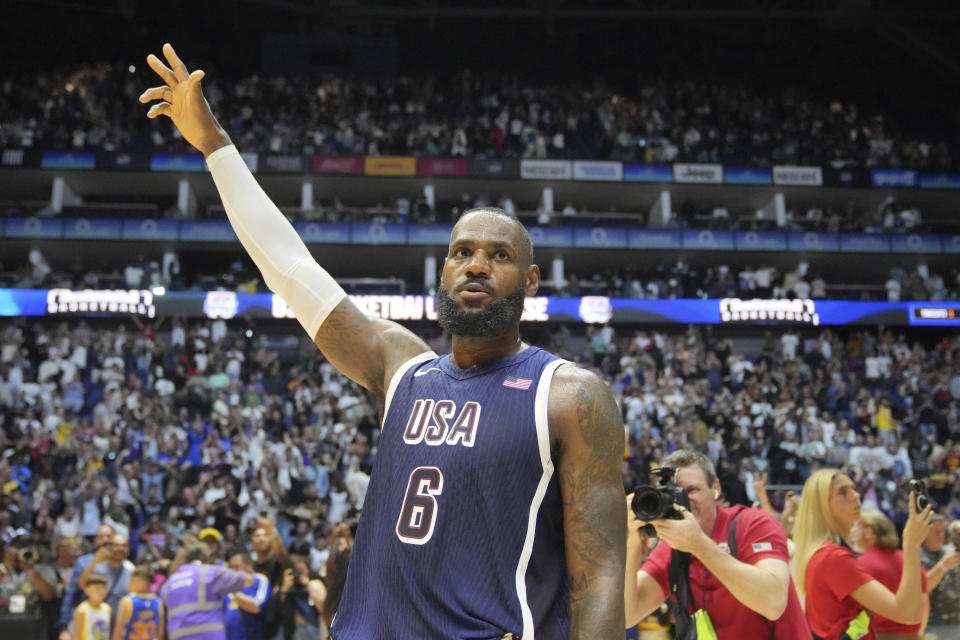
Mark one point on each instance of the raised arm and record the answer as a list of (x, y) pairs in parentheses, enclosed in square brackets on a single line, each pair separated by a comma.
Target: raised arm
[(906, 605), (587, 430), (366, 350)]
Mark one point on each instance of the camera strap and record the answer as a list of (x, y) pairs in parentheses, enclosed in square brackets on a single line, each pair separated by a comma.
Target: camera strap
[(681, 595)]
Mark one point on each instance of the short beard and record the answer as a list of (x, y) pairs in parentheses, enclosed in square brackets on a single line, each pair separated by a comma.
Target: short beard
[(498, 318)]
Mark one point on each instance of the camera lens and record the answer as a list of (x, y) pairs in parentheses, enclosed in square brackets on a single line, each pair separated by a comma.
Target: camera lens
[(650, 503)]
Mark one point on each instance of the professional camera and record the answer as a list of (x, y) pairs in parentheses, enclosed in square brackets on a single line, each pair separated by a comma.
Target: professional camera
[(920, 499), (653, 502), (27, 555)]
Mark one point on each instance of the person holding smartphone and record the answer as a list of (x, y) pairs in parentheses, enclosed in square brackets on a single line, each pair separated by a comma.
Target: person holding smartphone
[(839, 592)]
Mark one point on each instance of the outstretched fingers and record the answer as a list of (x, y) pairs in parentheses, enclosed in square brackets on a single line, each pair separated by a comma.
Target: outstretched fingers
[(162, 70), (179, 69), (157, 93), (160, 109)]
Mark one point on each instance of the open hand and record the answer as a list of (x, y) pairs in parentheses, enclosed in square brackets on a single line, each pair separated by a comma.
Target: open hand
[(183, 102)]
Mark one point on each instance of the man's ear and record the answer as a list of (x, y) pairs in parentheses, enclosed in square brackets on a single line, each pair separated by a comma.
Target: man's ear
[(533, 280)]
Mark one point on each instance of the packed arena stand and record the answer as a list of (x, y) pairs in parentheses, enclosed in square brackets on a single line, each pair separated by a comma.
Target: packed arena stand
[(473, 114), (164, 428)]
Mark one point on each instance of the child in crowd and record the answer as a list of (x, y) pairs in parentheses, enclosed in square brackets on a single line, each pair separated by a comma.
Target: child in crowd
[(140, 615), (91, 618)]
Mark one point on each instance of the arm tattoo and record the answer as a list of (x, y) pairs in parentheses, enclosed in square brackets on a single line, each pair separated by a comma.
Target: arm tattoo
[(595, 535), (594, 513)]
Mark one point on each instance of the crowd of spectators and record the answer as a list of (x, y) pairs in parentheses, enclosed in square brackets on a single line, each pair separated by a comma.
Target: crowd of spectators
[(679, 279), (468, 114), (763, 281), (162, 431)]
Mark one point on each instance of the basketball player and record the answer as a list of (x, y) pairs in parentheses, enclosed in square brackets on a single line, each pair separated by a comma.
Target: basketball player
[(495, 508), (140, 615)]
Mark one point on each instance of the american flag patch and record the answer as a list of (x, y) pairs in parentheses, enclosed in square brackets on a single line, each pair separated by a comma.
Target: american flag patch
[(517, 383), (762, 546)]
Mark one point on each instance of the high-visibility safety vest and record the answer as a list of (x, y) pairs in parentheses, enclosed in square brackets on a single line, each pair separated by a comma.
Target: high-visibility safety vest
[(193, 597)]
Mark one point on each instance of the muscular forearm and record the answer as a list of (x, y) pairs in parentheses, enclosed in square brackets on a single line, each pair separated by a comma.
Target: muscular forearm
[(596, 607), (757, 588)]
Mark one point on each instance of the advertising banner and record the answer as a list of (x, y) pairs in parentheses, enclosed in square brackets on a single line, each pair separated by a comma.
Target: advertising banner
[(610, 171), (109, 161), (338, 165), (324, 232), (846, 177), (589, 309), (915, 243), (654, 239), (746, 175), (647, 173), (600, 237), (430, 234), (760, 241), (893, 178), (798, 176), (442, 167), (551, 236), (33, 228), (68, 160), (865, 242), (940, 180), (394, 166), (698, 173), (206, 231), (707, 239), (91, 229), (485, 168), (951, 243), (545, 170), (272, 163), (369, 233), (176, 162), (12, 158), (813, 241), (933, 313), (150, 230)]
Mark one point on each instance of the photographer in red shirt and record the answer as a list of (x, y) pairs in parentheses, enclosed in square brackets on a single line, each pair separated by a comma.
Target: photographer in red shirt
[(750, 596)]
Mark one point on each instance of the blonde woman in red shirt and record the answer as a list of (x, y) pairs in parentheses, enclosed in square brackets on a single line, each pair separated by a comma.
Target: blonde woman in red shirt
[(839, 592)]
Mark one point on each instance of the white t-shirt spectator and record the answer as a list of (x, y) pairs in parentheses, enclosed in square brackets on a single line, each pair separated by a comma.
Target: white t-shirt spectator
[(133, 276), (894, 289), (789, 342), (802, 289)]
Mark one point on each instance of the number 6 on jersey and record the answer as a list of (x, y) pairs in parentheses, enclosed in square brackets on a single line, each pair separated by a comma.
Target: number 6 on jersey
[(419, 512)]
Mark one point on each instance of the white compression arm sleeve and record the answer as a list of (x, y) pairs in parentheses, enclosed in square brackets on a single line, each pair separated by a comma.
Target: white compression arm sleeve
[(280, 254)]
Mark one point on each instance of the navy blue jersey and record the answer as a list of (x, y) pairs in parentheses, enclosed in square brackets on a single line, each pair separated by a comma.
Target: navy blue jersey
[(461, 534)]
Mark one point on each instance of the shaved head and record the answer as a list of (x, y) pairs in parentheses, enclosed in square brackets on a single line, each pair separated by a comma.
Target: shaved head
[(526, 243)]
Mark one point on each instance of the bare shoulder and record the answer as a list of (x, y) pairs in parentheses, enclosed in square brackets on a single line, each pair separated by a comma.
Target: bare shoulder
[(582, 408)]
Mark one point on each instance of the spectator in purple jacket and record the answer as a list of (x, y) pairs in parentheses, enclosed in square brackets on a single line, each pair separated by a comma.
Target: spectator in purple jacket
[(194, 596)]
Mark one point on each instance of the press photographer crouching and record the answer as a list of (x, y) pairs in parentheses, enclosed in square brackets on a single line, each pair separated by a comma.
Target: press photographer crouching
[(723, 571), (25, 585)]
